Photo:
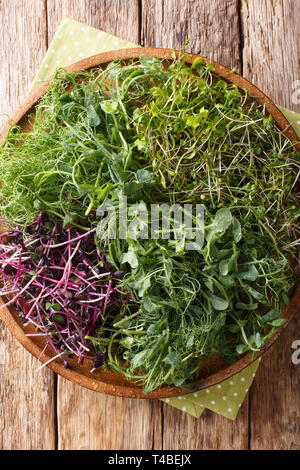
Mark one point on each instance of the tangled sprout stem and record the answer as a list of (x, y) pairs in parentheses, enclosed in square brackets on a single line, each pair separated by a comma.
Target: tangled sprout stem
[(60, 283)]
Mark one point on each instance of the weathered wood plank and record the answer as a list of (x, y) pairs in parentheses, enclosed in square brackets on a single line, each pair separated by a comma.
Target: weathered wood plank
[(211, 27), (271, 48), (27, 404), (22, 45), (120, 17), (26, 399), (209, 432), (86, 419), (89, 420), (275, 396)]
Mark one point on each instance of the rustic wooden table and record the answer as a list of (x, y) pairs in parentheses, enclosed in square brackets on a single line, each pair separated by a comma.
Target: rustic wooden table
[(42, 411)]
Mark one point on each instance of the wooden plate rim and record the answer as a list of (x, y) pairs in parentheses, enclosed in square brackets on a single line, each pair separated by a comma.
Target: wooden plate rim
[(129, 390)]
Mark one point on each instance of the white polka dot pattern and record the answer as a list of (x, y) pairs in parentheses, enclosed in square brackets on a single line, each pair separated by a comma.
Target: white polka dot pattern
[(225, 398), (73, 42)]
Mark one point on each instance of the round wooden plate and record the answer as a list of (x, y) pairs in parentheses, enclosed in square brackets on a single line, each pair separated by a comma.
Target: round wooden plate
[(110, 382)]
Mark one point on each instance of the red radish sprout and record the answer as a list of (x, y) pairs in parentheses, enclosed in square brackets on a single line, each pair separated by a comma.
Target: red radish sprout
[(61, 283)]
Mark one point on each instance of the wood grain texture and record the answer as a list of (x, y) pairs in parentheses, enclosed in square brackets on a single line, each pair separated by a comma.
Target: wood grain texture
[(211, 27), (210, 432), (275, 396), (26, 398), (262, 38), (271, 48), (119, 17), (23, 45), (90, 420)]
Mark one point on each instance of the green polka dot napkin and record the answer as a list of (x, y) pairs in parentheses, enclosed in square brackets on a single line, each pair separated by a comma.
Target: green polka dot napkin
[(74, 41), (225, 398)]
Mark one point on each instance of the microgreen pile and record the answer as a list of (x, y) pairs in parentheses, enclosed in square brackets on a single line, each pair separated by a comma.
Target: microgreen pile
[(60, 283), (155, 134)]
